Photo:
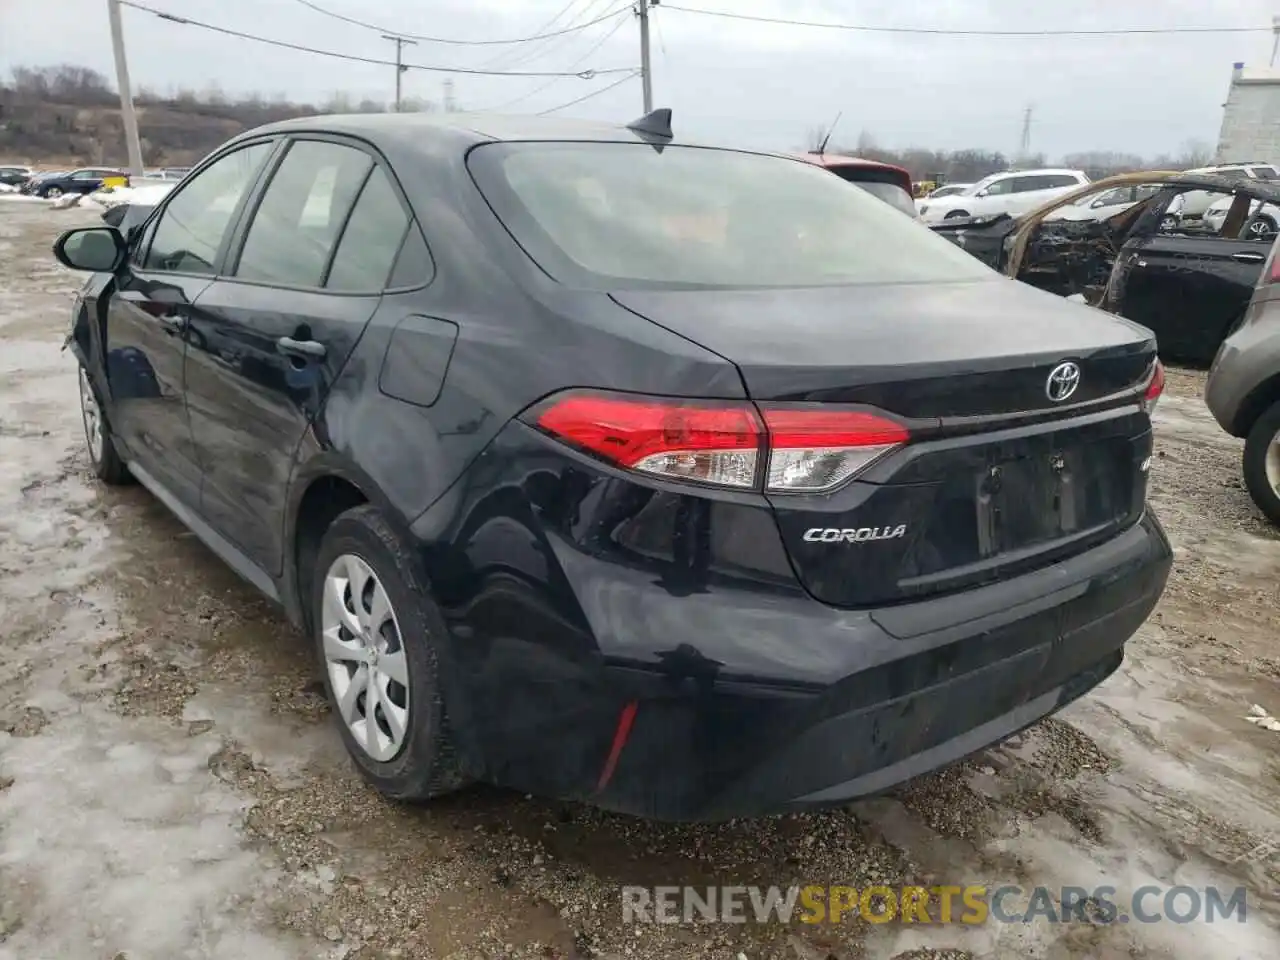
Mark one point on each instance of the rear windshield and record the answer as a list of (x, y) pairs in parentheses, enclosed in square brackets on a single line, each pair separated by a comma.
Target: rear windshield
[(616, 215)]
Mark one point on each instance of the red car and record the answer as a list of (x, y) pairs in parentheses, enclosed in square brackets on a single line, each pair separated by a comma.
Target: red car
[(887, 182)]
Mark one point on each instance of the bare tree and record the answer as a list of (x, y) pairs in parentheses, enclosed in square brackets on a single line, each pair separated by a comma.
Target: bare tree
[(1195, 153)]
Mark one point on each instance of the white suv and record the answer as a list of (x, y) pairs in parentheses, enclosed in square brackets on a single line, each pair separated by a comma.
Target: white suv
[(1188, 209), (1014, 192)]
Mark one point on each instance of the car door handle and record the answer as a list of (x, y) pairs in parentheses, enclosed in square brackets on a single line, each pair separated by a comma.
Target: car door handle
[(1249, 257), (306, 349)]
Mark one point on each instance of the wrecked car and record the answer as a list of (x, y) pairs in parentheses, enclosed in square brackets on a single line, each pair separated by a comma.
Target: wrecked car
[(1190, 286)]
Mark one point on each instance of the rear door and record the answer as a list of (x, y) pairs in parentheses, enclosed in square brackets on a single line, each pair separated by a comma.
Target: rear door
[(273, 333), (1188, 289), (151, 315)]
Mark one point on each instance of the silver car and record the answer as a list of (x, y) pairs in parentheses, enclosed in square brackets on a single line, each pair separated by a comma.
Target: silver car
[(1243, 391)]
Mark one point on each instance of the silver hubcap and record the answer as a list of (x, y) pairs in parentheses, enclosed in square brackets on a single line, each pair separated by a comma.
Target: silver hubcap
[(92, 417), (54, 193), (365, 658), (1271, 463), (1260, 229)]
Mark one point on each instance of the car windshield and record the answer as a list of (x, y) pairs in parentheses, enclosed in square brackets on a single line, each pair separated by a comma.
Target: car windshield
[(611, 215)]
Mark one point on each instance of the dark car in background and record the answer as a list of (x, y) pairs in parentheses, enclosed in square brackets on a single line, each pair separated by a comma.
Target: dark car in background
[(14, 176), (82, 181), (677, 479)]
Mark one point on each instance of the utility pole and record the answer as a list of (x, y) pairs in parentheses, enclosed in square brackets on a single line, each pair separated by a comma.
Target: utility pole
[(132, 142), (1275, 44), (450, 105), (646, 73), (1025, 148), (400, 67)]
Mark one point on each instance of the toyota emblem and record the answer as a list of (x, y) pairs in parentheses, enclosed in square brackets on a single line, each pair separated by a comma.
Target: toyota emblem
[(1062, 382)]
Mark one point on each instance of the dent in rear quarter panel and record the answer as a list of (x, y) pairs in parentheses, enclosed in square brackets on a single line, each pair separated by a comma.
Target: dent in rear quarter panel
[(556, 575)]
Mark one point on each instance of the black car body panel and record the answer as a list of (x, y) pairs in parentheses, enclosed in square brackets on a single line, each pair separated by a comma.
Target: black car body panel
[(650, 645), (1187, 285)]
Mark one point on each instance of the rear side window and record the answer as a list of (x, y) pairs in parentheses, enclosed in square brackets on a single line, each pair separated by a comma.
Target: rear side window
[(303, 210), (414, 266), (189, 232), (369, 244), (618, 215), (1059, 180), (1266, 173)]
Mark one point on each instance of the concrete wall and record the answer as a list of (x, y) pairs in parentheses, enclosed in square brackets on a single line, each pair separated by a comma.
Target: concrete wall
[(1251, 117)]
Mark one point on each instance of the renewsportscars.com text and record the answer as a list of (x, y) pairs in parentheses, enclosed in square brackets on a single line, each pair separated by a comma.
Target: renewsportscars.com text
[(974, 904)]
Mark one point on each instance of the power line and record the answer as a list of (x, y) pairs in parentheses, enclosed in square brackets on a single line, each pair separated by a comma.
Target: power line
[(541, 87), (509, 59), (461, 43), (939, 31), (588, 96), (226, 31)]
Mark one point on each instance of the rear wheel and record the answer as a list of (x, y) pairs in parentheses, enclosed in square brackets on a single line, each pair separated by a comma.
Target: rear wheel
[(106, 462), (376, 630), (1262, 463)]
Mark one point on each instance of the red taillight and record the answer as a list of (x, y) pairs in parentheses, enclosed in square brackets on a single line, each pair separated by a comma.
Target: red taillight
[(1155, 386), (794, 449), (1273, 274), (713, 443)]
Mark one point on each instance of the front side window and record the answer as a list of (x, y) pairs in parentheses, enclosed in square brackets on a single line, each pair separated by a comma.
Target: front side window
[(1000, 187), (189, 233), (1058, 180), (612, 215), (301, 214)]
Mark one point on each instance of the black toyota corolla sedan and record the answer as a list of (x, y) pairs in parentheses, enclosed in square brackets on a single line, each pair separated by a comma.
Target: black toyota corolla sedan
[(689, 482)]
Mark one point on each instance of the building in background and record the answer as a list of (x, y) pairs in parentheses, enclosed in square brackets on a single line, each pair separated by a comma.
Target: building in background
[(1251, 117)]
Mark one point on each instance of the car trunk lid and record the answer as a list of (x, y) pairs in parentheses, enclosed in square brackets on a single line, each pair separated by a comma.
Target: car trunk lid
[(999, 475)]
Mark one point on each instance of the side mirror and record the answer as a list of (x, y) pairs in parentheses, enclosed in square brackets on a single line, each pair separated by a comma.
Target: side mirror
[(1097, 203), (96, 249), (982, 193)]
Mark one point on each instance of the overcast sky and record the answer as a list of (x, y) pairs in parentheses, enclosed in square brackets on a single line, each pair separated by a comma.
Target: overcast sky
[(757, 84)]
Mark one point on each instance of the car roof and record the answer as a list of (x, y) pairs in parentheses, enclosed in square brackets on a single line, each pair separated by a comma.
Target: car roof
[(464, 128), (1036, 172), (1208, 181), (461, 131)]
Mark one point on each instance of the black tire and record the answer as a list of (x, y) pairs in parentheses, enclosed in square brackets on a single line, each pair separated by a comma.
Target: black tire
[(1259, 227), (107, 464), (956, 214), (1264, 434), (427, 764)]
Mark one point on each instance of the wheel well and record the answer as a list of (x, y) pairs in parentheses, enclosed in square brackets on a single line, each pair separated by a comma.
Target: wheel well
[(1256, 404), (323, 501)]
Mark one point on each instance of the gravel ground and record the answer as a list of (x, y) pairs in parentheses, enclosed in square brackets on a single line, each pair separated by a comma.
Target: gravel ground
[(171, 785)]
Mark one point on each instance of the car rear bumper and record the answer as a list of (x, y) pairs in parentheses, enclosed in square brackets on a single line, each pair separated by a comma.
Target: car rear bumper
[(686, 689)]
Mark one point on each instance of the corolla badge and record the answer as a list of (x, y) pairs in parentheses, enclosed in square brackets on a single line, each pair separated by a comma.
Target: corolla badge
[(852, 535), (1062, 382)]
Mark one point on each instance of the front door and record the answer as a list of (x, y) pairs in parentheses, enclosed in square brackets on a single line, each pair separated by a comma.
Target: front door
[(272, 335), (150, 319)]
